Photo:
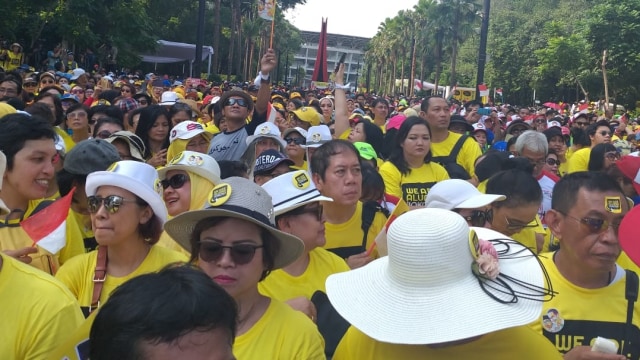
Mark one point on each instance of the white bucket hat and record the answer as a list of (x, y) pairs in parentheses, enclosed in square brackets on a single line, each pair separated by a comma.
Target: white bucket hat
[(458, 194), (168, 98), (269, 130), (292, 190), (318, 135), (297, 129), (242, 199), (136, 177), (195, 162), (425, 291), (188, 130)]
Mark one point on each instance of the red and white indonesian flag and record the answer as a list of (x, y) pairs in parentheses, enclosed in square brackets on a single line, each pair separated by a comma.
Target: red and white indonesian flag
[(48, 227), (484, 91)]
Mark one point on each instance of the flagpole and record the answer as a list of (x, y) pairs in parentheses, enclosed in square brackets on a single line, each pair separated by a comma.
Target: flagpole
[(273, 22)]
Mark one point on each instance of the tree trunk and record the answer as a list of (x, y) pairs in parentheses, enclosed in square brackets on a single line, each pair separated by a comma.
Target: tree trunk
[(412, 71), (438, 63), (604, 77), (216, 36), (402, 88), (454, 48)]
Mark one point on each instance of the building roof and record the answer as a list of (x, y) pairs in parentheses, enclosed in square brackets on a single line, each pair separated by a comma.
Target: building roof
[(336, 40)]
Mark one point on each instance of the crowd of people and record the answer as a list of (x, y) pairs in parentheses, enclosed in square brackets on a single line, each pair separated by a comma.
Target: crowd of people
[(250, 221)]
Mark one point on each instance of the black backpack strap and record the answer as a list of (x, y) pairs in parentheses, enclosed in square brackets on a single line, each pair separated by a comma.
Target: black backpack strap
[(453, 156), (631, 294), (41, 206)]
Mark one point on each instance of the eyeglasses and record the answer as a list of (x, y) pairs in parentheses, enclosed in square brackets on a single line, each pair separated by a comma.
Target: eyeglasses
[(8, 91), (477, 218), (238, 101), (516, 227), (47, 81), (77, 115), (102, 134), (297, 141), (316, 210), (612, 156), (595, 226), (582, 123), (176, 181), (125, 90), (112, 203), (605, 133), (77, 91), (142, 102), (241, 254)]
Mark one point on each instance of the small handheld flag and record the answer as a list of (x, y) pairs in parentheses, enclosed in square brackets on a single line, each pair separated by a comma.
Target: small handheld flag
[(47, 228)]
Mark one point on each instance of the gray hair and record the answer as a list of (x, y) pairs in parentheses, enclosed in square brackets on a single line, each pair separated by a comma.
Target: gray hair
[(533, 141)]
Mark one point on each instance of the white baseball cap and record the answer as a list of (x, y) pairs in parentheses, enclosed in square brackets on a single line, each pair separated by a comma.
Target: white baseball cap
[(188, 130), (458, 194), (269, 130)]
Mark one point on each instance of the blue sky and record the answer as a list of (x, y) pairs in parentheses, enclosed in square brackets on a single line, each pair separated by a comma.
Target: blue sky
[(354, 17)]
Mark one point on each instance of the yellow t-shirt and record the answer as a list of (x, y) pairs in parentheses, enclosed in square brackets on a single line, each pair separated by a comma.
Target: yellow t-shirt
[(349, 234), (281, 334), (527, 236), (627, 263), (576, 316), (304, 166), (76, 344), (167, 241), (78, 273), (38, 312), (579, 161), (413, 187), (513, 343), (13, 237), (283, 286), (467, 156)]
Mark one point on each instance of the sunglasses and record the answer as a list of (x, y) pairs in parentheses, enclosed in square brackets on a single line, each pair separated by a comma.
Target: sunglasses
[(241, 254), (239, 102), (125, 90), (477, 218), (316, 210), (176, 181), (77, 91), (102, 134), (142, 102), (595, 226), (30, 84), (553, 162), (581, 123), (112, 203), (297, 141), (47, 81), (605, 133)]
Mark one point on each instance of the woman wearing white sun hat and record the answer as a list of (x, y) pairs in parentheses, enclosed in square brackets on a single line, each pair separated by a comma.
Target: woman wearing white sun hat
[(233, 239), (127, 215), (443, 294)]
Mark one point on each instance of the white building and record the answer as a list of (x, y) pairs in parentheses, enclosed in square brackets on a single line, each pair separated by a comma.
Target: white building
[(305, 59)]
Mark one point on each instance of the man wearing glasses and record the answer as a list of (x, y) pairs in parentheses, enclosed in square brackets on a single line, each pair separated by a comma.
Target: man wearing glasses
[(236, 107), (587, 208)]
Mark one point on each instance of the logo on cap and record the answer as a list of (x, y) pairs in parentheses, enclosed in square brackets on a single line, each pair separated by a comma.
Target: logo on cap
[(474, 244), (301, 180), (316, 137), (194, 126), (220, 194), (176, 159), (264, 130), (613, 204), (195, 160), (113, 167)]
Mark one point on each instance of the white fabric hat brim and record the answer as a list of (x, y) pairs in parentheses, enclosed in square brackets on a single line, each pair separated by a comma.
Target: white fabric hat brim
[(181, 227), (312, 196), (375, 303), (143, 191), (271, 136), (480, 201), (314, 145), (168, 103), (193, 133)]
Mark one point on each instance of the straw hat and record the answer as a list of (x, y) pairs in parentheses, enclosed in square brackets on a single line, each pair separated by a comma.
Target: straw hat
[(425, 291), (242, 199), (195, 162), (458, 194), (136, 177), (292, 190)]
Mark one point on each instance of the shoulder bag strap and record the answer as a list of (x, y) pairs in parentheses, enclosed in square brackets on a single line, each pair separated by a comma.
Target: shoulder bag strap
[(99, 277), (631, 294), (453, 155)]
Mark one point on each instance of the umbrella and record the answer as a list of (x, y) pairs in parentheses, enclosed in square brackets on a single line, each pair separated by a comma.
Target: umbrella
[(629, 234)]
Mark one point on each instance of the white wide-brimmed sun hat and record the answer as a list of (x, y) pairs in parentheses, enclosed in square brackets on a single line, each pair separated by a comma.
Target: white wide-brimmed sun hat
[(458, 194), (243, 199), (427, 291), (136, 177), (292, 190), (195, 162)]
